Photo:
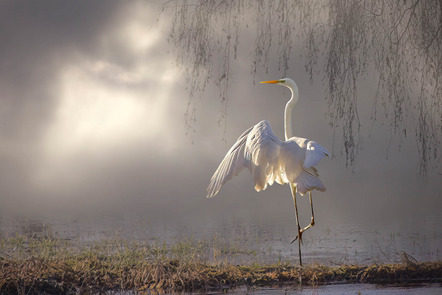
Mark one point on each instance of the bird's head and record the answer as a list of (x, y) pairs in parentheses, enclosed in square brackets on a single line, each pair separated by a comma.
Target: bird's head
[(287, 82)]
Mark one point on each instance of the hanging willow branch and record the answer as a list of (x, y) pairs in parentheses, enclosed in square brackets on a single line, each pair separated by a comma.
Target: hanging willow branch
[(399, 41)]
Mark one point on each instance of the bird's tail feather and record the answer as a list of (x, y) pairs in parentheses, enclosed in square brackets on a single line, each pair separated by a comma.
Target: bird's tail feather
[(306, 182)]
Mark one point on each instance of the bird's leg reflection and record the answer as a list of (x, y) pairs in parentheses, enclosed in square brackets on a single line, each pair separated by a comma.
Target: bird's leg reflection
[(299, 237)]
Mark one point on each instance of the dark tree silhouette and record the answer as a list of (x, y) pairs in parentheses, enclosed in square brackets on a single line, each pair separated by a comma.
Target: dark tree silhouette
[(398, 40)]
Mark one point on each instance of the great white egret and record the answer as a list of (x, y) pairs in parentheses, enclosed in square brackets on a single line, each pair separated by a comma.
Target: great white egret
[(269, 159)]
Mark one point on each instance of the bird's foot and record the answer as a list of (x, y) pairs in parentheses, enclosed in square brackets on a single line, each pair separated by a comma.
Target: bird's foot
[(302, 230), (299, 236)]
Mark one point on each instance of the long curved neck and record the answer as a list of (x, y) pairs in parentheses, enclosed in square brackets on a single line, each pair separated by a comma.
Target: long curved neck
[(288, 128)]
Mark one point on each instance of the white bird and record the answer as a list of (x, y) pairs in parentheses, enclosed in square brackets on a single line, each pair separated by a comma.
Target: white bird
[(269, 159)]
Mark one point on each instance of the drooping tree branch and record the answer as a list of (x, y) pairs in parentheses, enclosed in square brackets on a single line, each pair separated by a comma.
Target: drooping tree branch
[(398, 41)]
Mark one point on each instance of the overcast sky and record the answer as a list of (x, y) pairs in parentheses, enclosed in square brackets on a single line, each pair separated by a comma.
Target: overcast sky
[(92, 119)]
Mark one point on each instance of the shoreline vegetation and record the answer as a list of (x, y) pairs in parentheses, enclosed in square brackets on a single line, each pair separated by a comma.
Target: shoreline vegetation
[(54, 266)]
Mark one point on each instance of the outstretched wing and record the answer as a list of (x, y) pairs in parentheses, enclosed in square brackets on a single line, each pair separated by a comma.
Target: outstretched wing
[(256, 149), (270, 160)]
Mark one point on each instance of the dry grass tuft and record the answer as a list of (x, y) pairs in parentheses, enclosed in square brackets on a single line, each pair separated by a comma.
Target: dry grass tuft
[(58, 267)]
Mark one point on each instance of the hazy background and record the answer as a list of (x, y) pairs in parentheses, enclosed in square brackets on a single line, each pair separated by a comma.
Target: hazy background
[(92, 124)]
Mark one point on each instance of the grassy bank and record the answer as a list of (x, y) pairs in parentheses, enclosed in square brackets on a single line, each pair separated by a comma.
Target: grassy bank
[(34, 266)]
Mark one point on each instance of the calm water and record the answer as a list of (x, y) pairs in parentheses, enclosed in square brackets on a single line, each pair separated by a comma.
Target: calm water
[(346, 289), (332, 244), (336, 289), (264, 242)]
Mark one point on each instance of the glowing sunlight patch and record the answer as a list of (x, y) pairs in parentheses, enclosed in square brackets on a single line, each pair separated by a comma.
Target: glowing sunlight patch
[(92, 114), (96, 116), (109, 106)]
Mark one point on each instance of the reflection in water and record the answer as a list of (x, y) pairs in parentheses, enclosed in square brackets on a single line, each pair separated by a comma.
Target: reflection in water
[(343, 289), (335, 289)]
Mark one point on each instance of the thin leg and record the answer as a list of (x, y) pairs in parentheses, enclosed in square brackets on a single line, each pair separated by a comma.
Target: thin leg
[(299, 237), (312, 222)]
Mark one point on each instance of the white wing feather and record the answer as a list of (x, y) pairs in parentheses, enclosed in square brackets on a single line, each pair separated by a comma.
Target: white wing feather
[(269, 160), (232, 164), (313, 154), (262, 151), (256, 149), (298, 158)]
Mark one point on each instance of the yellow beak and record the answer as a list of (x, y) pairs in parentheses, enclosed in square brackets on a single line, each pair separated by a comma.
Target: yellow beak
[(270, 82)]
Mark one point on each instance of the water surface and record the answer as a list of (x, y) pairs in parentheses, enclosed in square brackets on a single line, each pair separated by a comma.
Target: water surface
[(259, 241)]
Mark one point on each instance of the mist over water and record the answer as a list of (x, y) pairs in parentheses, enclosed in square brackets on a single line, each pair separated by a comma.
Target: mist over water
[(260, 238), (93, 146)]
